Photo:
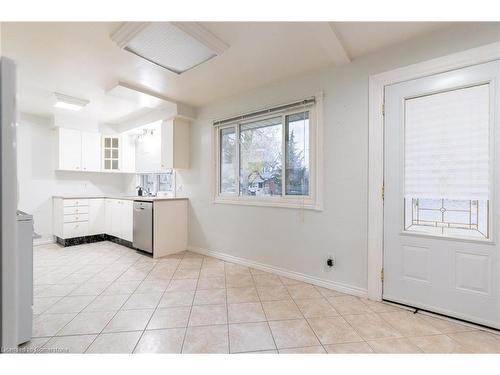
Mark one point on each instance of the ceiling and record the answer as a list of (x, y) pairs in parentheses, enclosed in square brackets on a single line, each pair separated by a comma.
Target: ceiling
[(80, 59)]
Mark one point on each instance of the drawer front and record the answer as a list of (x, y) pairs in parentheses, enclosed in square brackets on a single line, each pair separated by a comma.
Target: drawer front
[(75, 202), (76, 218), (75, 229), (75, 210)]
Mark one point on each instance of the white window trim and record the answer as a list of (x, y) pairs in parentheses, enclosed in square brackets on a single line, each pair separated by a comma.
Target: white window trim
[(377, 84), (312, 202)]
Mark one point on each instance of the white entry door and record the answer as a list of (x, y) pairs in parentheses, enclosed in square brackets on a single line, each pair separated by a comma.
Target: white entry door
[(442, 193)]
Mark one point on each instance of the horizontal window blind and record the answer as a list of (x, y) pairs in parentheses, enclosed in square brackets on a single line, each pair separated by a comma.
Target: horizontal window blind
[(266, 111), (447, 145)]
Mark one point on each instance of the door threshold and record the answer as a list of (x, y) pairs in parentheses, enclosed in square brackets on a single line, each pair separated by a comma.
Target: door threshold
[(451, 319)]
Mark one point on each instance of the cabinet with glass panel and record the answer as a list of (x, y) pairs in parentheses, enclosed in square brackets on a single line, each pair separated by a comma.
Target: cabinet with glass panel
[(111, 153)]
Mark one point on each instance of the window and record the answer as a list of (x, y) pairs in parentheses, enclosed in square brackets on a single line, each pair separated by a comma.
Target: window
[(166, 182), (228, 160), (261, 158), (447, 163), (268, 160), (154, 183), (297, 154)]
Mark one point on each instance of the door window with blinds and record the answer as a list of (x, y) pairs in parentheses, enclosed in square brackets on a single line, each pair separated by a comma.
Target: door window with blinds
[(268, 158), (447, 176)]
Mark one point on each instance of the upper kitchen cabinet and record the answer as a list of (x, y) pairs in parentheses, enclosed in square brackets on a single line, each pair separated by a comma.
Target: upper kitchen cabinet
[(91, 151), (148, 149), (111, 146), (163, 145), (175, 144), (128, 151), (77, 150)]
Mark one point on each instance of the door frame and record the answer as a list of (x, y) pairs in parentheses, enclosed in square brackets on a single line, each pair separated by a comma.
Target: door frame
[(376, 101)]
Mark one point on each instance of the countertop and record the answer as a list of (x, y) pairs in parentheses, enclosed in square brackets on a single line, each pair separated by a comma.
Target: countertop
[(125, 197)]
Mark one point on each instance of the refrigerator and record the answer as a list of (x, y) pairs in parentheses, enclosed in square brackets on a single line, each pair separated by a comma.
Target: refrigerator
[(16, 229)]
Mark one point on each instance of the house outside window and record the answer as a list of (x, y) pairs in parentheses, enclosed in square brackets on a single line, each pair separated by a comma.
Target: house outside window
[(270, 159)]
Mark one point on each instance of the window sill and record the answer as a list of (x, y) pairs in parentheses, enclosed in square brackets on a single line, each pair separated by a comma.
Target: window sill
[(271, 202)]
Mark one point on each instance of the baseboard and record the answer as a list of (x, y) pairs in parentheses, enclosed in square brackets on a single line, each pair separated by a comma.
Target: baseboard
[(340, 287)]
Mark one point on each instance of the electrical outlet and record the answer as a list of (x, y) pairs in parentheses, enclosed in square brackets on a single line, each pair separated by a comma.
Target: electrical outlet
[(330, 261)]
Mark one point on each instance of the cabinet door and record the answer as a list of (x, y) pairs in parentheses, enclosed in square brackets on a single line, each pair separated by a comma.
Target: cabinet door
[(175, 144), (111, 153), (128, 154), (148, 152), (70, 149), (127, 216), (91, 152), (167, 145), (108, 217), (96, 216), (116, 218)]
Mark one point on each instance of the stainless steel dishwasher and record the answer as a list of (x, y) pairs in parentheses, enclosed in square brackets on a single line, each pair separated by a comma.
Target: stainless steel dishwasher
[(143, 226)]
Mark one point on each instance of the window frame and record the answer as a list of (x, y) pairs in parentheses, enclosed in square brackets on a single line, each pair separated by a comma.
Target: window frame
[(312, 201)]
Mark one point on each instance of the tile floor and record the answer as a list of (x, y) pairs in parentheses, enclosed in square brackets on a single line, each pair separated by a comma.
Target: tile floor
[(105, 298)]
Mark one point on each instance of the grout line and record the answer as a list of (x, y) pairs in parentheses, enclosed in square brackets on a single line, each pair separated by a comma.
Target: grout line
[(307, 321), (159, 301), (123, 304), (72, 258), (262, 307), (191, 307), (90, 301)]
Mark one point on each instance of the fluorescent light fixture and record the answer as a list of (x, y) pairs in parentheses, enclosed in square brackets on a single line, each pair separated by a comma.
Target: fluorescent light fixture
[(69, 102), (176, 46)]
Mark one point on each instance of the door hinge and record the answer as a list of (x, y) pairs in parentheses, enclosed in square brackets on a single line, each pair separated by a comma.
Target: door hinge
[(383, 109), (382, 275), (383, 192)]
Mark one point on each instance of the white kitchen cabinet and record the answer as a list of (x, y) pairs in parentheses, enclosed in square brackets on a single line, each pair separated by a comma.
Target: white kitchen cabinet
[(127, 224), (128, 154), (116, 218), (148, 150), (108, 215), (69, 149), (91, 151), (92, 216), (175, 144), (78, 151), (166, 148), (111, 150), (119, 218), (71, 217), (96, 215)]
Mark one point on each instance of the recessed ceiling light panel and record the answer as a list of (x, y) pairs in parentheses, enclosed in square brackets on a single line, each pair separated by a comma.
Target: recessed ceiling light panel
[(69, 102), (177, 47)]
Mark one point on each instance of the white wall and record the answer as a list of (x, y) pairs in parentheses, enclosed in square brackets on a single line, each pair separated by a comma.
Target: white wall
[(288, 238), (38, 181)]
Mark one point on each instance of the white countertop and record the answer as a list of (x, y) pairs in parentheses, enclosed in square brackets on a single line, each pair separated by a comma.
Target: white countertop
[(127, 197)]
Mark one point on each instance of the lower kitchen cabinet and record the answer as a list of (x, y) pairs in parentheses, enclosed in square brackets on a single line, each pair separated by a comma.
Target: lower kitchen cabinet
[(170, 226), (93, 216), (71, 217), (74, 218), (119, 218)]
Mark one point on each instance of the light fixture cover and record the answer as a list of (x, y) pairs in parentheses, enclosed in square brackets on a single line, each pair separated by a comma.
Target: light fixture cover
[(69, 102), (177, 47)]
